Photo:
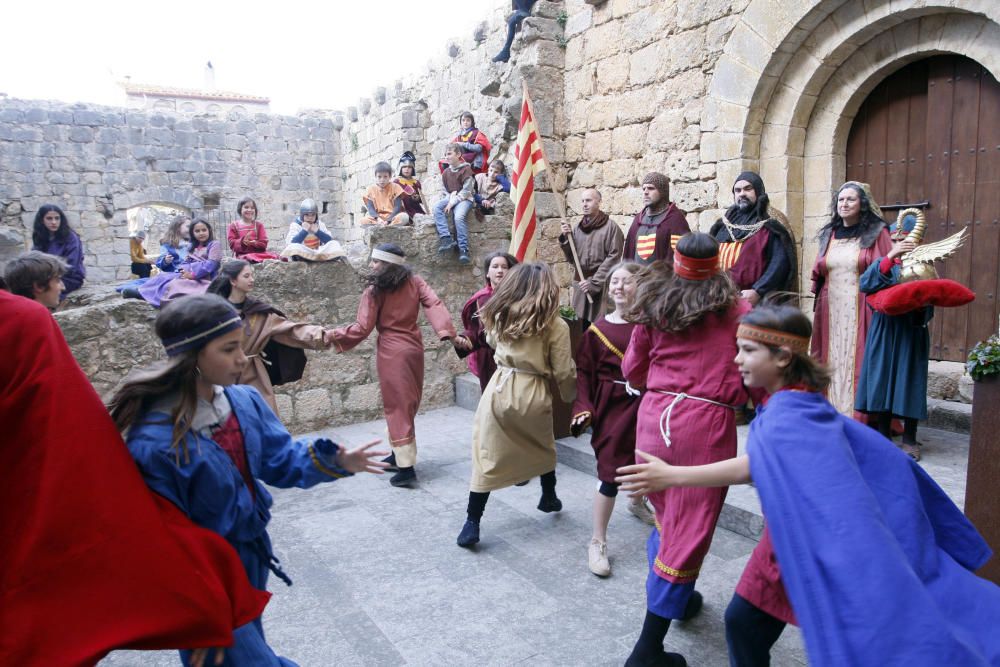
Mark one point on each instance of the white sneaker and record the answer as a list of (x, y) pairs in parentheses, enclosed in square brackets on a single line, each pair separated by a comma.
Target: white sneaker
[(597, 558), (642, 511)]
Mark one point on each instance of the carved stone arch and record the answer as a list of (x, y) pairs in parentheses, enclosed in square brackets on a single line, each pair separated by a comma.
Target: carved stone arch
[(793, 75)]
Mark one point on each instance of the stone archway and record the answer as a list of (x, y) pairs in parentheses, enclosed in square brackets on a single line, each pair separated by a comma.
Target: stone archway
[(793, 75)]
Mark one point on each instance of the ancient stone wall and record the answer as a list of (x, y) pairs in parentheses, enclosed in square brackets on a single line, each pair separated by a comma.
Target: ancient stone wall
[(97, 162), (110, 336)]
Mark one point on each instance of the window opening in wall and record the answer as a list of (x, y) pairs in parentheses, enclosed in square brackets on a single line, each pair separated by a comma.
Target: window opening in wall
[(152, 218), (326, 206), (210, 201)]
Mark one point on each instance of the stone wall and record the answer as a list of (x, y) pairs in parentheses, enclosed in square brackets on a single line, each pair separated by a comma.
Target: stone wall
[(97, 162), (110, 336)]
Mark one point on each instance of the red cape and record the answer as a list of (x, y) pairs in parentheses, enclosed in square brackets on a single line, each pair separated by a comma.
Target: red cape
[(93, 560)]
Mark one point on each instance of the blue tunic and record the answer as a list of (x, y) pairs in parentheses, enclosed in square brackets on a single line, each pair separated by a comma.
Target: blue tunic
[(878, 562), (211, 491), (894, 370)]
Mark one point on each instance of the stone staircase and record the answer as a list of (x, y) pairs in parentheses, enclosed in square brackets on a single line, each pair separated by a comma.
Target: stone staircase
[(945, 452)]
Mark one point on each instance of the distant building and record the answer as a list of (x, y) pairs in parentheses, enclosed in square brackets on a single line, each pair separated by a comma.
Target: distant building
[(192, 100)]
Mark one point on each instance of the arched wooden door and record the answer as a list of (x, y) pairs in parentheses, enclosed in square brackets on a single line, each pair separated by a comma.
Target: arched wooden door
[(931, 133)]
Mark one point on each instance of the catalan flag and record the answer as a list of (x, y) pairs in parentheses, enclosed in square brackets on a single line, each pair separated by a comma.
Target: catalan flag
[(529, 160)]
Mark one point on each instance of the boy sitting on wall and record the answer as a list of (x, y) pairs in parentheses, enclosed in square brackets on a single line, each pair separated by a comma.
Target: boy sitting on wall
[(459, 190), (38, 276), (383, 200)]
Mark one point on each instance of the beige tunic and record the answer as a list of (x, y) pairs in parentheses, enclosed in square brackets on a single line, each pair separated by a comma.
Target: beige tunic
[(259, 329), (842, 264), (512, 437)]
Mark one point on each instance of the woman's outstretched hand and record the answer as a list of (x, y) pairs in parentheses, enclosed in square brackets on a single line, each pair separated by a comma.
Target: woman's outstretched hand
[(640, 479), (461, 343), (363, 459)]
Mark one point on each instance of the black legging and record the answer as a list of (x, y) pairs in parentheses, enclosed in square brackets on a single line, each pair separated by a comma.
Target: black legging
[(883, 422), (750, 634), (477, 499)]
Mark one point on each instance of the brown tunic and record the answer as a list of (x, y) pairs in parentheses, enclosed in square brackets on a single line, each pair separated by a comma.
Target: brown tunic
[(399, 355), (261, 324), (599, 251)]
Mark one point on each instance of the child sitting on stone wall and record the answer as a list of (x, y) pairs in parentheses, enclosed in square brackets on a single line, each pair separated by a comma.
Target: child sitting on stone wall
[(384, 201), (308, 238), (459, 189), (38, 276), (141, 264), (413, 193), (490, 185)]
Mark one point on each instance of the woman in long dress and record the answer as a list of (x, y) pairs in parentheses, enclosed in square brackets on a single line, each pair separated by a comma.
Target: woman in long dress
[(854, 238)]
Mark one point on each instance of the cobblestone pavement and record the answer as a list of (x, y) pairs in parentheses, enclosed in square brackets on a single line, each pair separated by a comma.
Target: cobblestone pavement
[(380, 581)]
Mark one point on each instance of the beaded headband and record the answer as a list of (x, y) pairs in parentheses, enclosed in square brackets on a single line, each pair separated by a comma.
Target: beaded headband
[(391, 258), (200, 337), (693, 268), (773, 337)]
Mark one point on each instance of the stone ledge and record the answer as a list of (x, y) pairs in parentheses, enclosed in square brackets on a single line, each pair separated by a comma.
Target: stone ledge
[(949, 415)]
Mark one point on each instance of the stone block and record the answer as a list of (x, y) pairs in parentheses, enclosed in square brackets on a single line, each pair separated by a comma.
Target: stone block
[(613, 73), (665, 129), (644, 65), (602, 41), (619, 173), (597, 146), (628, 141), (584, 176), (578, 22), (536, 28)]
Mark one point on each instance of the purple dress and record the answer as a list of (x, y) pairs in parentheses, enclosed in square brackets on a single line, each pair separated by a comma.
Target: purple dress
[(71, 250), (203, 262)]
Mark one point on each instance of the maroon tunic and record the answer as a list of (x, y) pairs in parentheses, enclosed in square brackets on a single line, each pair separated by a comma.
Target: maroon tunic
[(600, 390), (670, 229), (399, 355), (760, 584), (697, 362), (480, 361), (745, 260)]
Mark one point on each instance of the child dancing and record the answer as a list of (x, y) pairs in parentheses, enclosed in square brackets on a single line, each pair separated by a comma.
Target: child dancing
[(681, 356), (877, 561), (206, 444), (481, 363), (512, 438), (605, 401)]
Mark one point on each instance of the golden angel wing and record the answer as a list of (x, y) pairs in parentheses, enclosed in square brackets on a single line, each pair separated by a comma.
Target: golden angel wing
[(933, 252)]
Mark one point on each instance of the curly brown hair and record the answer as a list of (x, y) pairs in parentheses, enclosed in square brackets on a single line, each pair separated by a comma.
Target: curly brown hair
[(391, 276), (524, 304), (665, 301)]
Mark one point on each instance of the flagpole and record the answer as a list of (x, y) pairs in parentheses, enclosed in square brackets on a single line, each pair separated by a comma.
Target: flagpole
[(560, 204)]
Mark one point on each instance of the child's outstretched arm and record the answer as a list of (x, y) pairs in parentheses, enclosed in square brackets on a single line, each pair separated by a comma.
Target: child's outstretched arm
[(656, 475)]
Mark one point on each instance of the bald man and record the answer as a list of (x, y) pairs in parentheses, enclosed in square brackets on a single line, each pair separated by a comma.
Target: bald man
[(599, 245)]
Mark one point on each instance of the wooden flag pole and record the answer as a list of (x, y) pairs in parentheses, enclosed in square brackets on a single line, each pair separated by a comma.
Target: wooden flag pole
[(560, 204)]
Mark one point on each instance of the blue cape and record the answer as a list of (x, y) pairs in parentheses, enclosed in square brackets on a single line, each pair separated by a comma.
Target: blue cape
[(876, 559)]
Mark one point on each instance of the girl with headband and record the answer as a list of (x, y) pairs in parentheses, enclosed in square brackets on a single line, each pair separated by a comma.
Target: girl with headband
[(876, 562), (206, 444), (680, 356), (391, 303)]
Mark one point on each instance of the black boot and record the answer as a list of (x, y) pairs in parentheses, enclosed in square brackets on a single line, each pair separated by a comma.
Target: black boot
[(549, 502), (391, 460), (469, 534), (693, 606), (405, 477)]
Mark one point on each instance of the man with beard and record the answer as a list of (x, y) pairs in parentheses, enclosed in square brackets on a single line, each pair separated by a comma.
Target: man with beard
[(657, 227), (598, 243), (755, 248)]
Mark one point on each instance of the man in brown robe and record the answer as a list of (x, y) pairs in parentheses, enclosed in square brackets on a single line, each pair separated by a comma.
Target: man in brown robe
[(598, 243), (658, 226)]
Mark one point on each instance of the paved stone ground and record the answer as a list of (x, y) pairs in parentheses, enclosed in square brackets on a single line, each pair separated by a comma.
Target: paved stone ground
[(379, 580)]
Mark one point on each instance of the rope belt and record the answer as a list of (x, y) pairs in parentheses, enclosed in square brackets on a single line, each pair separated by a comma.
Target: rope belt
[(629, 389), (669, 410), (507, 371)]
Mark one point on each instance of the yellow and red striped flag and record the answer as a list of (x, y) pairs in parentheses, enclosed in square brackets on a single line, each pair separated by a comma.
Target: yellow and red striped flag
[(529, 160)]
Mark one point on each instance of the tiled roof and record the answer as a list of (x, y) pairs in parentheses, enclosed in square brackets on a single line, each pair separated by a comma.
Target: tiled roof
[(191, 93)]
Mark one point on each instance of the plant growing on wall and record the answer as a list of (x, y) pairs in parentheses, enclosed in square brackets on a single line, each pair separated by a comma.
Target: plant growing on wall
[(561, 18), (354, 141)]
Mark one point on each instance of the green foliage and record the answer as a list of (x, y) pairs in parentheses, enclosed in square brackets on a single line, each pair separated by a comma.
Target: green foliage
[(562, 41), (354, 141), (984, 358), (562, 18), (567, 313)]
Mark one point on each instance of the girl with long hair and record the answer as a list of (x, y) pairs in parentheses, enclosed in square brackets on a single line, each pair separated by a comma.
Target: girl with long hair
[(52, 234), (174, 244), (512, 439), (854, 238), (193, 275), (876, 562), (391, 303), (680, 356), (246, 235), (206, 444), (605, 401), (480, 361), (262, 325)]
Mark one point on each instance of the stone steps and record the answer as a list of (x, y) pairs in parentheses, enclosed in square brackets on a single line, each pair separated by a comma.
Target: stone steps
[(945, 456)]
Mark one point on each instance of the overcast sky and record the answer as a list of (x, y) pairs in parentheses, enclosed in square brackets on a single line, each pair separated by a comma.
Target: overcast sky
[(300, 54)]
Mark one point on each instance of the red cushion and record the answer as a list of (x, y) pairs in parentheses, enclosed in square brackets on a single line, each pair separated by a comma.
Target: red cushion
[(908, 297)]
